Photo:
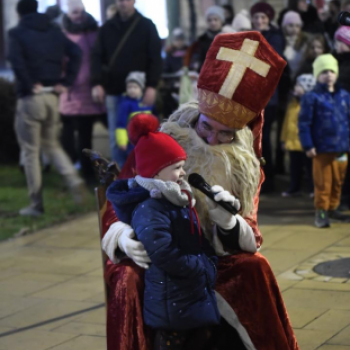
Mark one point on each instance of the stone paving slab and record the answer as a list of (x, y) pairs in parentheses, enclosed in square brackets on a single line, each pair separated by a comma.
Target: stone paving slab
[(52, 293)]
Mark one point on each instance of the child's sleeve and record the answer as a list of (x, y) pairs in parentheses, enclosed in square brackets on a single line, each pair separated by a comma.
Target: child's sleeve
[(121, 133), (152, 228), (305, 120)]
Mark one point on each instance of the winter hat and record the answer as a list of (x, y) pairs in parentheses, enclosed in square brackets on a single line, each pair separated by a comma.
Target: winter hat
[(217, 11), (154, 150), (178, 33), (74, 4), (325, 62), (263, 7), (24, 7), (137, 77), (291, 17), (343, 35), (306, 81), (242, 21)]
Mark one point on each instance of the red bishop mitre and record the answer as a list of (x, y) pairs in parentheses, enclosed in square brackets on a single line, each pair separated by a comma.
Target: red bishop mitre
[(239, 76)]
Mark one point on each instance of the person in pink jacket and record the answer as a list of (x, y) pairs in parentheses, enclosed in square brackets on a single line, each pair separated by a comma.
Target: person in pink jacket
[(78, 110)]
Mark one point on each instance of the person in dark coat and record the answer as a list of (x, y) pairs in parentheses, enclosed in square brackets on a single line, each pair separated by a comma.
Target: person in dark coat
[(37, 52), (179, 297), (140, 52), (262, 15), (324, 132), (342, 47), (308, 13), (215, 18)]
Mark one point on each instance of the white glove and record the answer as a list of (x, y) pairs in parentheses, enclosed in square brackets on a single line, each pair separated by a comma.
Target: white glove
[(246, 238), (219, 215), (120, 235)]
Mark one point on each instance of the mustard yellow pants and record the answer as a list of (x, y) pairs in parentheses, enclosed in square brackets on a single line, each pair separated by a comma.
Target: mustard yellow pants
[(328, 173)]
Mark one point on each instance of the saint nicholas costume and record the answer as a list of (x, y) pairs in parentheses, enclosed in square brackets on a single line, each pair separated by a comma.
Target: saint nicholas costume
[(239, 76)]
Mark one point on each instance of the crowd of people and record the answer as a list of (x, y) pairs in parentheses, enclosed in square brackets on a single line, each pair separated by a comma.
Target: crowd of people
[(184, 273)]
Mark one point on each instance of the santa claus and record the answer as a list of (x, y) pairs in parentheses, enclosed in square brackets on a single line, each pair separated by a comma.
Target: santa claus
[(221, 134)]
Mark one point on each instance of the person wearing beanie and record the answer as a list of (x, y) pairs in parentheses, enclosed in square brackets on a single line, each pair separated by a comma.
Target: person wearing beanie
[(129, 105), (291, 143), (296, 41), (215, 19), (179, 298), (324, 129), (262, 14), (242, 22), (308, 13), (78, 110), (221, 134)]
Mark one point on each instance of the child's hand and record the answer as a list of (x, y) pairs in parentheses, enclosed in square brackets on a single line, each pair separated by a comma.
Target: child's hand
[(122, 147), (311, 153), (150, 96)]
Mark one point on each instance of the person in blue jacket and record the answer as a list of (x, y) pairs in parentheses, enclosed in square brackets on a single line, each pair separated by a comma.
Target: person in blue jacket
[(324, 132), (179, 297), (129, 105)]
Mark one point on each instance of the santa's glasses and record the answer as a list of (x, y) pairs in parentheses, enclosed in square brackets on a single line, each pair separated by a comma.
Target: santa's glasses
[(204, 130)]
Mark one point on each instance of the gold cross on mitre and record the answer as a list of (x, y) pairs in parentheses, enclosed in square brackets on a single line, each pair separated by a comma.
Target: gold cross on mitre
[(241, 60)]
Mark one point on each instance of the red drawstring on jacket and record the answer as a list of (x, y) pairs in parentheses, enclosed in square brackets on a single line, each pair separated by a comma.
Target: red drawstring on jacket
[(193, 211)]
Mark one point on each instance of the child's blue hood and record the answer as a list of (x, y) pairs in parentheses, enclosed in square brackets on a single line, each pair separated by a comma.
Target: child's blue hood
[(125, 199)]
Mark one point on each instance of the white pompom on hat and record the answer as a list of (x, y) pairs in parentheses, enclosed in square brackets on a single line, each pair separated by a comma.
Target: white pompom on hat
[(242, 21)]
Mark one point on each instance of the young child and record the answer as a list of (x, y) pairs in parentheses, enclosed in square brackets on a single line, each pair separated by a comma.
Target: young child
[(324, 126), (179, 299), (129, 105), (296, 41), (290, 139)]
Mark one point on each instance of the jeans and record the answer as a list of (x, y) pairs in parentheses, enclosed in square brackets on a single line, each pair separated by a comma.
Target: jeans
[(298, 162)]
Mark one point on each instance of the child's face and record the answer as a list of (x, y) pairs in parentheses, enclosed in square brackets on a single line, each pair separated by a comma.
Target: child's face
[(341, 47), (298, 90), (214, 23), (327, 77), (174, 173), (317, 48), (292, 29), (133, 90)]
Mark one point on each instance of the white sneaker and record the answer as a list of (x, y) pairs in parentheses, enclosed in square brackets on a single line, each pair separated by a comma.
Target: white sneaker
[(29, 211)]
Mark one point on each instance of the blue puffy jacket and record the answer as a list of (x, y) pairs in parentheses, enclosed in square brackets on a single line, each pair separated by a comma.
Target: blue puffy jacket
[(324, 120), (179, 285)]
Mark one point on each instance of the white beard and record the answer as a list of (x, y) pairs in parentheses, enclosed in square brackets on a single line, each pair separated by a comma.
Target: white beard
[(233, 166)]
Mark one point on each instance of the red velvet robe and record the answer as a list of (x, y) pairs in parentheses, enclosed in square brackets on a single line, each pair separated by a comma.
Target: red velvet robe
[(245, 281)]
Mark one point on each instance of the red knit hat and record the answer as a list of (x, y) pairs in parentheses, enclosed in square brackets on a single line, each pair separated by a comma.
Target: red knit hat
[(263, 7), (154, 150)]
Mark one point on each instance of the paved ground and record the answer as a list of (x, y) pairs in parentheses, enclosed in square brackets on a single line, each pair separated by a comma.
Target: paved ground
[(51, 288)]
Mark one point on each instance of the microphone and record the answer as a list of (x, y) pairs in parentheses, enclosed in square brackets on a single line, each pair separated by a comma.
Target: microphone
[(200, 184), (344, 18)]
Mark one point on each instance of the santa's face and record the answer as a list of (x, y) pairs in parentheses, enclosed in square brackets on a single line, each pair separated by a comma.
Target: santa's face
[(212, 132)]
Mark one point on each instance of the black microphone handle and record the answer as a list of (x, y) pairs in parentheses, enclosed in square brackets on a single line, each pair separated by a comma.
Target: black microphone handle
[(227, 206)]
